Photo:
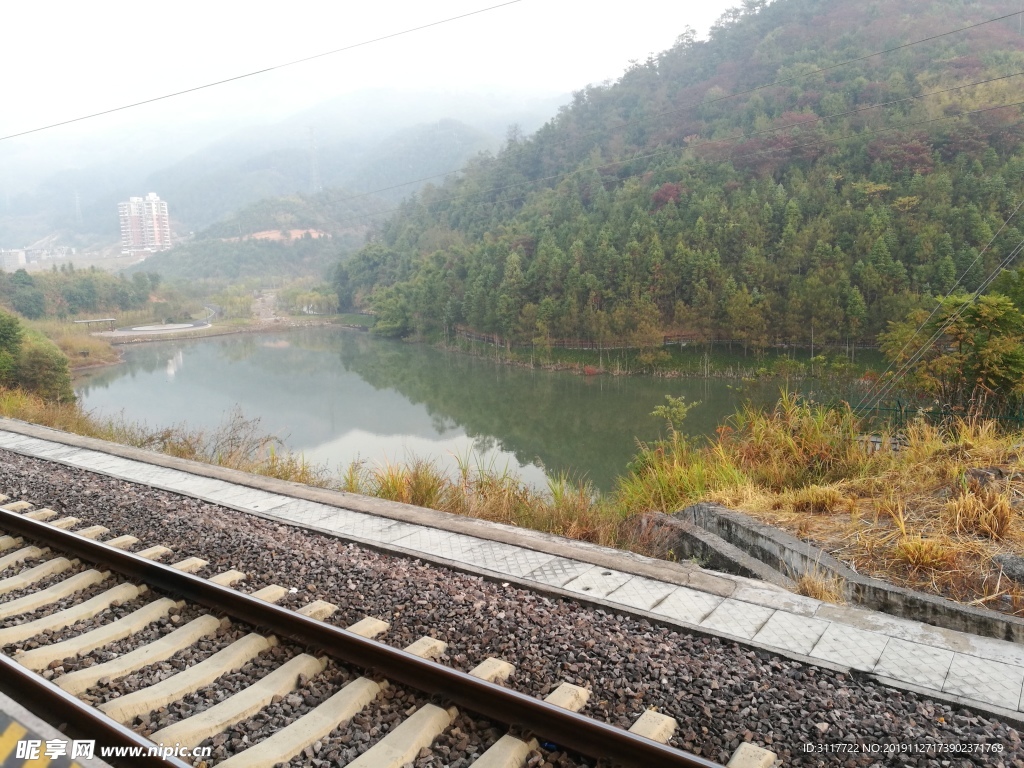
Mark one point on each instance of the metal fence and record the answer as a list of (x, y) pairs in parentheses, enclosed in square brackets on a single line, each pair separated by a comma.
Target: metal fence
[(899, 413)]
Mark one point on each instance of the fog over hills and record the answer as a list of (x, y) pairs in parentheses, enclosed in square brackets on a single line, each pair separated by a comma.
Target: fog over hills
[(208, 164)]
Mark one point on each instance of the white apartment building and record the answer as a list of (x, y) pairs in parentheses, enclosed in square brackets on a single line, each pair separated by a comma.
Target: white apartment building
[(145, 225), (12, 260)]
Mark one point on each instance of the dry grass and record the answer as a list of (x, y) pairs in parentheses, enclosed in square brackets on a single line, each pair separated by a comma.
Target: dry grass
[(821, 586), (569, 508), (75, 341), (980, 511), (920, 553), (926, 516), (238, 443), (818, 500), (918, 516)]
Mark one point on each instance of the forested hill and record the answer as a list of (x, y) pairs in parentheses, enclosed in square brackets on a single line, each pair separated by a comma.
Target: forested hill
[(334, 210), (828, 203)]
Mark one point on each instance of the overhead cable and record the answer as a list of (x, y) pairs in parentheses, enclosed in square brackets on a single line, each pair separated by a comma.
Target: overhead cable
[(259, 71)]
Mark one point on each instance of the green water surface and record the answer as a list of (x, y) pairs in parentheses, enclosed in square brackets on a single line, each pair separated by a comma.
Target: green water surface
[(340, 396)]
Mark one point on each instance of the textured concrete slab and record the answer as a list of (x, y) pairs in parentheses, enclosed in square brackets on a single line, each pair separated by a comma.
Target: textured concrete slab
[(304, 512), (195, 486), (776, 598), (915, 663), (790, 631), (598, 582), (925, 634), (687, 605), (249, 498), (103, 463), (641, 593), (523, 561), (432, 541), (853, 647), (984, 680), (56, 451), (489, 554), (559, 571), (734, 617)]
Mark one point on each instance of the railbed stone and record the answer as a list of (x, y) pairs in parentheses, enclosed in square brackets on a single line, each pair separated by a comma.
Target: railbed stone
[(630, 658)]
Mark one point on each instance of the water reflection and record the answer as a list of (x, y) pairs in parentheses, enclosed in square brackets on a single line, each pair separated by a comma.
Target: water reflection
[(339, 396)]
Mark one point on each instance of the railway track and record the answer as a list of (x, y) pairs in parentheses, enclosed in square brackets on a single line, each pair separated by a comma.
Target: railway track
[(105, 637)]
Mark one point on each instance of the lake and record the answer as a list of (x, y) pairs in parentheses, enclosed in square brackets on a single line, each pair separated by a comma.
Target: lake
[(339, 396)]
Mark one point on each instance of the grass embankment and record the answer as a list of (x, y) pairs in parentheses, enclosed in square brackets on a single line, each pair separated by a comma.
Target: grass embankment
[(76, 342), (930, 515)]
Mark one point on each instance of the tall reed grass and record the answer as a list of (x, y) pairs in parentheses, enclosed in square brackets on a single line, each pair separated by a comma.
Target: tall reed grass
[(923, 515)]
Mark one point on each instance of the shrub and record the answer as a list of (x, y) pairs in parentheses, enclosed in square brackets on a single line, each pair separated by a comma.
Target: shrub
[(925, 554), (979, 511)]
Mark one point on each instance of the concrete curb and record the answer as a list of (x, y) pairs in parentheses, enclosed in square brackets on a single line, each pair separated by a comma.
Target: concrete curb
[(681, 574)]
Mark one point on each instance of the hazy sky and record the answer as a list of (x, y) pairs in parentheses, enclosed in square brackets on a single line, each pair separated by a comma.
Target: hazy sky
[(64, 58)]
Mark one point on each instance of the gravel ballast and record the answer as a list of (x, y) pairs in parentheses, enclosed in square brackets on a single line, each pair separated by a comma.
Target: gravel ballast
[(720, 692)]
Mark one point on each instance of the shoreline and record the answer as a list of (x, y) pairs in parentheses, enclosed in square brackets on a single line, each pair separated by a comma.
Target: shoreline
[(127, 340), (734, 371)]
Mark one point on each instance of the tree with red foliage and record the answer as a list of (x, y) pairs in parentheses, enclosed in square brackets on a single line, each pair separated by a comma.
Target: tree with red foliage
[(664, 194), (904, 154)]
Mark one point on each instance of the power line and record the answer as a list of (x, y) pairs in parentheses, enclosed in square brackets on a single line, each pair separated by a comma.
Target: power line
[(915, 358), (774, 83), (902, 372), (672, 150), (745, 136), (260, 71)]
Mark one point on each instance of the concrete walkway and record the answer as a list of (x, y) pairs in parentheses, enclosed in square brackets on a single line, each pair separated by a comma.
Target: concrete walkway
[(982, 673)]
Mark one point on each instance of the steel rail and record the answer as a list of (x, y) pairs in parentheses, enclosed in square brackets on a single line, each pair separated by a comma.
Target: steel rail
[(569, 730), (47, 701)]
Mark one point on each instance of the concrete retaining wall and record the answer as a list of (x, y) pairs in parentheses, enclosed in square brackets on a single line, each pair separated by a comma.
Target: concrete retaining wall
[(789, 558)]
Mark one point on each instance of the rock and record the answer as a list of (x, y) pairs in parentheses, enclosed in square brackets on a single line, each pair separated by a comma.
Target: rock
[(1012, 565)]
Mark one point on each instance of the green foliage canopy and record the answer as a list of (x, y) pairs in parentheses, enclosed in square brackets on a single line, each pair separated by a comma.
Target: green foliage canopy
[(799, 211), (977, 359), (30, 361)]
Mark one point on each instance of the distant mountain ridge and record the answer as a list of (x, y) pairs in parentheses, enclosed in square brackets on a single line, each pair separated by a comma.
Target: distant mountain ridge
[(364, 140), (752, 186), (334, 211)]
